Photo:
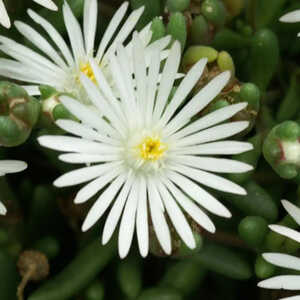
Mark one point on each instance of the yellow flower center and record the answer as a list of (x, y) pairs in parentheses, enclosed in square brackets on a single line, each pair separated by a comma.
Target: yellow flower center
[(86, 69), (151, 149)]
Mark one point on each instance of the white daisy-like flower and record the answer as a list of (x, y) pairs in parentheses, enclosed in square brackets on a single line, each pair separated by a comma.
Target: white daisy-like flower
[(286, 282), (7, 167), (291, 17), (60, 66), (146, 154), (4, 18)]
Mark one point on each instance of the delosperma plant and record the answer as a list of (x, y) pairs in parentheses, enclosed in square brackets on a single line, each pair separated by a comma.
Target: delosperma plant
[(146, 148)]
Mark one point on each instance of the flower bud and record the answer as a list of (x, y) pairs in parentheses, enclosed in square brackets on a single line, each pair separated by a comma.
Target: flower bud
[(18, 114), (177, 28), (200, 32), (177, 5), (214, 11), (263, 269), (158, 29)]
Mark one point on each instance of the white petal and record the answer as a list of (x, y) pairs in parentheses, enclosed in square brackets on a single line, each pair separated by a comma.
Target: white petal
[(210, 119), (178, 219), (293, 210), (288, 232), (291, 17), (47, 3), (110, 30), (74, 32), (12, 166), (3, 209), (190, 207), (199, 101), (4, 18), (54, 35), (158, 219), (199, 195), (83, 158), (32, 90), (218, 165), (102, 203), (286, 282), (128, 221), (89, 24), (84, 174), (215, 133), (283, 260), (290, 298), (116, 211), (142, 228), (210, 180), (96, 185), (216, 148), (184, 89), (167, 80)]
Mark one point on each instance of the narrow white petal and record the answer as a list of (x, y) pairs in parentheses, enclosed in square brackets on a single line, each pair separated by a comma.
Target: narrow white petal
[(83, 158), (291, 17), (83, 175), (285, 282), (128, 221), (216, 148), (3, 209), (210, 119), (199, 195), (215, 133), (12, 166), (32, 90), (184, 89), (4, 18), (40, 42), (288, 232), (142, 228), (110, 30), (218, 165), (293, 210), (190, 207), (210, 180), (178, 219), (102, 203), (93, 187), (89, 24), (158, 219), (47, 3), (290, 298), (54, 35), (199, 101), (283, 260), (167, 80), (74, 32), (116, 211)]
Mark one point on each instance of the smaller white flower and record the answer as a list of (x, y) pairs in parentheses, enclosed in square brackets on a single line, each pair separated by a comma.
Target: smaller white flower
[(291, 17), (10, 166), (4, 18), (285, 282)]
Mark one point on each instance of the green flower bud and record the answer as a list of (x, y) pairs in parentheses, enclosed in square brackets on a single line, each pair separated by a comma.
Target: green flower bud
[(253, 230), (95, 291), (177, 5), (158, 29), (229, 39), (177, 28), (194, 53), (250, 93), (200, 32), (263, 269), (220, 103), (225, 62), (214, 11), (130, 278), (234, 7), (282, 149), (18, 114)]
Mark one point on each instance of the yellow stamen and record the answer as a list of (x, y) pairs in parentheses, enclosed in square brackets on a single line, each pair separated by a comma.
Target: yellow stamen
[(151, 149), (86, 69)]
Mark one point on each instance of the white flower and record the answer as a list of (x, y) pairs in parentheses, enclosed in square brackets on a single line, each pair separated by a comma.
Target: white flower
[(10, 166), (60, 68), (291, 17), (149, 157), (4, 18), (286, 282)]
